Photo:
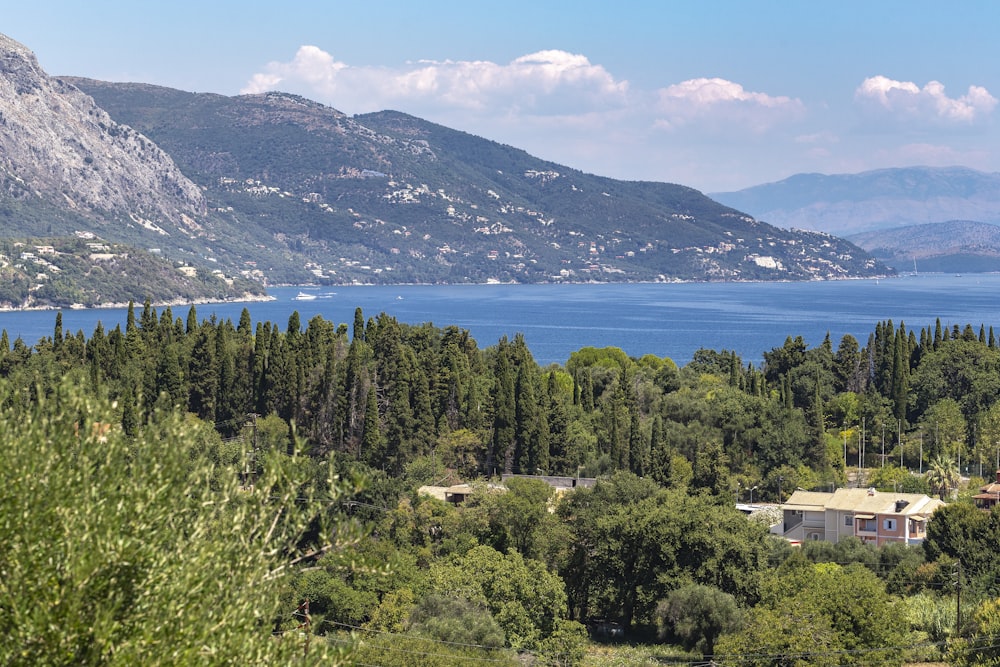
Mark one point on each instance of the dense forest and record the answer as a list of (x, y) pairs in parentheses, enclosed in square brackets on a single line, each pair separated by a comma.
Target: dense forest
[(199, 491)]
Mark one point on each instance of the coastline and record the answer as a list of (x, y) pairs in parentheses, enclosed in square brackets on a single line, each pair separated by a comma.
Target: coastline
[(243, 298)]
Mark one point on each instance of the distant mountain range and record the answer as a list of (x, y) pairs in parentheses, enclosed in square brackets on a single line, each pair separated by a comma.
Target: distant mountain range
[(953, 246), (943, 217), (279, 189)]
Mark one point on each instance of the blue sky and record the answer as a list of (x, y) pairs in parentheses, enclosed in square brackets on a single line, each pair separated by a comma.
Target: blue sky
[(715, 95)]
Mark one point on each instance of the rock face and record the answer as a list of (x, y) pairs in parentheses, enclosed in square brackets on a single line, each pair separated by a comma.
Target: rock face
[(58, 146)]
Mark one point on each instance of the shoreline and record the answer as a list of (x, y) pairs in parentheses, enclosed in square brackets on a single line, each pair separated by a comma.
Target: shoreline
[(245, 298), (263, 298)]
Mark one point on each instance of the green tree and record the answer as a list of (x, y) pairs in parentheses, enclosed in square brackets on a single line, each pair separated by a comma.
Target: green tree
[(457, 621), (525, 599), (698, 615), (791, 636)]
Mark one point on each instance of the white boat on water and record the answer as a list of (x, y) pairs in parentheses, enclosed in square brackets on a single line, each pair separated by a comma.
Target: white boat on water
[(304, 296)]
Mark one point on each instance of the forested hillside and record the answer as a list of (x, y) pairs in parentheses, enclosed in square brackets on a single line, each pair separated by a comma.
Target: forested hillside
[(390, 198), (198, 489)]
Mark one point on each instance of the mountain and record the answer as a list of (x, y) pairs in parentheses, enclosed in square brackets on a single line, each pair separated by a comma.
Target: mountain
[(280, 189), (58, 146), (845, 204), (387, 197), (70, 175), (953, 246)]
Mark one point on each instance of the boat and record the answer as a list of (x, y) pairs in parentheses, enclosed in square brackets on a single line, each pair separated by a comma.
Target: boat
[(304, 296)]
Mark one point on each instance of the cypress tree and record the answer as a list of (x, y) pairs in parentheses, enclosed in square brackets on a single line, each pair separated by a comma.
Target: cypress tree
[(504, 411), (244, 329), (130, 317), (617, 422), (526, 420), (558, 424), (900, 376), (130, 418), (660, 453), (262, 346), (425, 424), (203, 374), (817, 453), (229, 410), (148, 320), (638, 447), (587, 391), (372, 444), (57, 334), (169, 381), (358, 333)]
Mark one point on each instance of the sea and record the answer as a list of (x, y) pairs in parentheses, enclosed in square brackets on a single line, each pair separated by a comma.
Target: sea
[(667, 320)]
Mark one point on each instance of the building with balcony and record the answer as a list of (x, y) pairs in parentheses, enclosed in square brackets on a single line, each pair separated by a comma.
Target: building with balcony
[(876, 517)]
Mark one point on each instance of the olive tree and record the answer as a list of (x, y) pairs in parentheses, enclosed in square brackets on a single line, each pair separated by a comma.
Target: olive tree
[(144, 550)]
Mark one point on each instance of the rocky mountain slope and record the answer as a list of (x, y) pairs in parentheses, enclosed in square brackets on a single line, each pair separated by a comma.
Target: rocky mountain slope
[(59, 147), (277, 188), (845, 204)]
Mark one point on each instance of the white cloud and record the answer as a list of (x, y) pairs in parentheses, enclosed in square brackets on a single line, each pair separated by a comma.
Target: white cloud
[(546, 82), (718, 103), (905, 101)]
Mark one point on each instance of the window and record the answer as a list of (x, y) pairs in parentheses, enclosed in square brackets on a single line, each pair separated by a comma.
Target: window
[(848, 520), (888, 524)]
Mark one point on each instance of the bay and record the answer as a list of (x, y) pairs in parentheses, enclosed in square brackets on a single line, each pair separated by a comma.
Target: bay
[(667, 320)]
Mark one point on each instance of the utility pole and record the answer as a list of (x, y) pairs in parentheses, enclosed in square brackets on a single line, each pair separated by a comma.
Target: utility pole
[(250, 462), (845, 451), (305, 623), (958, 597), (899, 440), (883, 445)]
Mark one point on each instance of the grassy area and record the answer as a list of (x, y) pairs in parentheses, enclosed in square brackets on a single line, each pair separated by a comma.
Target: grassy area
[(601, 654)]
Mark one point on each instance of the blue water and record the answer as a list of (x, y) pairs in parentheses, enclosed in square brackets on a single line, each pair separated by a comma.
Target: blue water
[(666, 320)]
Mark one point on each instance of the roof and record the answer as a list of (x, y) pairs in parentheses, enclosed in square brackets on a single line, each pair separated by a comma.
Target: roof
[(433, 491), (863, 501), (808, 501)]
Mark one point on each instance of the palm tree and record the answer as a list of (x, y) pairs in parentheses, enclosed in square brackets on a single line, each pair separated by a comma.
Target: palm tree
[(942, 476)]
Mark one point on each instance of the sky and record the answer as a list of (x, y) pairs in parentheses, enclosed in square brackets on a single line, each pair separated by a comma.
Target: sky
[(714, 95)]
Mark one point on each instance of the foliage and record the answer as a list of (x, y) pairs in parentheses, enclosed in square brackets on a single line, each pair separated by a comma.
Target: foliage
[(942, 476), (401, 406), (457, 621), (525, 599), (698, 615), (135, 551), (981, 647), (633, 543), (820, 614)]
